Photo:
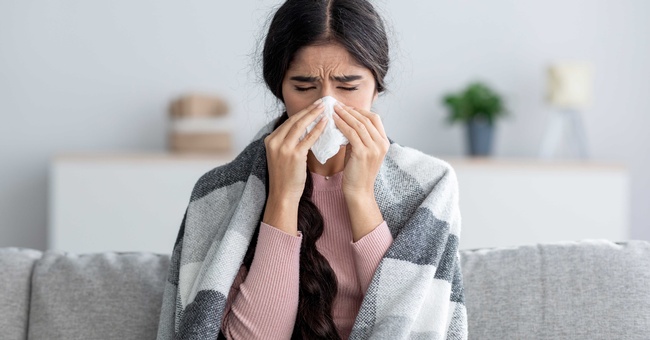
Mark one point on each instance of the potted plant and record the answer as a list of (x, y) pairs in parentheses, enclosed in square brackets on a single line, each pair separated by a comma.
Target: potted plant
[(478, 106)]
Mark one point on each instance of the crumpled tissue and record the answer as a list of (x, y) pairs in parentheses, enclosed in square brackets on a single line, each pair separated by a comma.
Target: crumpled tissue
[(331, 139)]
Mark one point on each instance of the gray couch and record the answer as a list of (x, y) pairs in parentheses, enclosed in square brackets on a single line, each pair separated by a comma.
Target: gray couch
[(590, 289)]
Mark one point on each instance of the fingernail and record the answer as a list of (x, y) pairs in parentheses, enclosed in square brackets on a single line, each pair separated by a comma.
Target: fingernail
[(320, 105), (318, 101)]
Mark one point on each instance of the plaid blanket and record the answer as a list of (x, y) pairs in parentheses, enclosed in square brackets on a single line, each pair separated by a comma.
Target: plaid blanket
[(415, 293)]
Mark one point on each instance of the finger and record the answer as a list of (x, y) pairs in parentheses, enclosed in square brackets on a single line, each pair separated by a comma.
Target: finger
[(299, 127), (370, 126), (349, 132), (284, 128), (313, 135), (376, 120), (357, 125), (278, 137)]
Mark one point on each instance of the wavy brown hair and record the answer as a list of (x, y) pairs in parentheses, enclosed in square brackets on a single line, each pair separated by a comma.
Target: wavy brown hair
[(297, 23)]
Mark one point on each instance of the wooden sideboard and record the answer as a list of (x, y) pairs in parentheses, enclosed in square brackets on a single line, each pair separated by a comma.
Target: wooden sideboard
[(136, 201)]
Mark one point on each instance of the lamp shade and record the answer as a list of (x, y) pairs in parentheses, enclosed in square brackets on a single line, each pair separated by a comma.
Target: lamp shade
[(570, 85)]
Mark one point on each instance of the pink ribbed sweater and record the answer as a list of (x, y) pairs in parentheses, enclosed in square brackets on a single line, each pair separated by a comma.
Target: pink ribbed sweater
[(263, 303)]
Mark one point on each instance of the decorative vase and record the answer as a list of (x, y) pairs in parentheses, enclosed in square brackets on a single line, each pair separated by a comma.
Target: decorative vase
[(479, 133)]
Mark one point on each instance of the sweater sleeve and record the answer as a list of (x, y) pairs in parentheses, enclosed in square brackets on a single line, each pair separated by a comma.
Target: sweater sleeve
[(368, 252), (263, 303)]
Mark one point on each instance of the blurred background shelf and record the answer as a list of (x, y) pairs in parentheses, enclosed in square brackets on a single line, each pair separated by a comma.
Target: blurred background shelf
[(136, 201)]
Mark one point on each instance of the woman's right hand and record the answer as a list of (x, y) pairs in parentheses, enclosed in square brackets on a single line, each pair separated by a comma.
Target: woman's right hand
[(286, 154)]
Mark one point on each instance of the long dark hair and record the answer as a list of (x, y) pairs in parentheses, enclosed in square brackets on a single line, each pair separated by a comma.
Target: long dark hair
[(297, 23)]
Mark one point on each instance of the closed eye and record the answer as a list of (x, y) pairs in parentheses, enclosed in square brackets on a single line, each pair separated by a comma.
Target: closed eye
[(309, 88)]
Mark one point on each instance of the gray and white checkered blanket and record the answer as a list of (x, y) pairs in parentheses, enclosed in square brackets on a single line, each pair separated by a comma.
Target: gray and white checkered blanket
[(415, 293)]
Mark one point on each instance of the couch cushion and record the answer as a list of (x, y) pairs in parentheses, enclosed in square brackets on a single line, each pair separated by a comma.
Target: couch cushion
[(589, 289), (16, 266), (110, 295)]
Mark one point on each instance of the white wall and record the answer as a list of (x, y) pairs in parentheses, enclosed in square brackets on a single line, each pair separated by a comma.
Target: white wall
[(97, 76)]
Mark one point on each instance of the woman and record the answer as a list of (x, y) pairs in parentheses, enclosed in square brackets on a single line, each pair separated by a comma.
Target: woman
[(324, 231)]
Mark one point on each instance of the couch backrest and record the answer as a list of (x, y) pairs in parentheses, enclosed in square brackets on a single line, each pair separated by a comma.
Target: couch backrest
[(97, 296), (591, 289), (16, 266)]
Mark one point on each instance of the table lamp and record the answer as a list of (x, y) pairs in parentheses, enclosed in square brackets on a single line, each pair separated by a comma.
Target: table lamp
[(568, 93)]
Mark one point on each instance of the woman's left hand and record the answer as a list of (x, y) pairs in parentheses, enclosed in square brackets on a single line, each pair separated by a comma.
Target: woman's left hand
[(366, 151)]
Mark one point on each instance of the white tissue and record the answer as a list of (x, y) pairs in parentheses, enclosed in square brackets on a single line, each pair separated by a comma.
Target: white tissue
[(329, 142)]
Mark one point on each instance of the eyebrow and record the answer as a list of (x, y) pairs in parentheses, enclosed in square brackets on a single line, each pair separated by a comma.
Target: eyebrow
[(342, 79)]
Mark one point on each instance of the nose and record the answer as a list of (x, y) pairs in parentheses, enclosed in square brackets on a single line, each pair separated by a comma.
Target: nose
[(327, 89)]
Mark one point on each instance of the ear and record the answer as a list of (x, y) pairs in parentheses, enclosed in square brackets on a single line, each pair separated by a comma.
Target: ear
[(375, 96)]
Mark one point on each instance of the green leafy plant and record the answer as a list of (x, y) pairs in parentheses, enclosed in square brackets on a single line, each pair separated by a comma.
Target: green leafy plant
[(477, 101)]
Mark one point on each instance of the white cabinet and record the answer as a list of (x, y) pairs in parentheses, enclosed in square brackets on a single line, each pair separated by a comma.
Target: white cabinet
[(121, 202), (514, 202), (136, 202)]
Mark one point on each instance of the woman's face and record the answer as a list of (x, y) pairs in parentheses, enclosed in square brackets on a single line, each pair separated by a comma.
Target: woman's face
[(327, 70)]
